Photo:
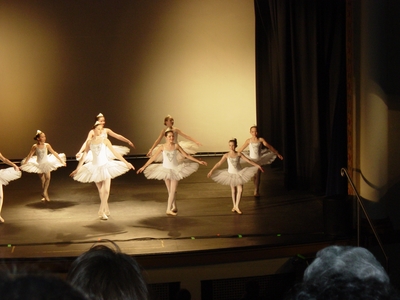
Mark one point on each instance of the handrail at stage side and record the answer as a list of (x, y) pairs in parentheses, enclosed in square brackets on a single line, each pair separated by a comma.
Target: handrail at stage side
[(344, 172)]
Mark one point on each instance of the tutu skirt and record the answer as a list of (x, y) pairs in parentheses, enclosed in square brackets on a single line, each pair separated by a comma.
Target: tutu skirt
[(119, 149), (266, 157), (45, 166), (9, 174), (188, 146), (241, 177), (182, 170), (94, 173)]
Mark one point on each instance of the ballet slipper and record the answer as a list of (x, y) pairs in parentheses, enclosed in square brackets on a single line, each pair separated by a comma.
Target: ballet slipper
[(238, 210), (103, 216), (170, 212), (1, 220)]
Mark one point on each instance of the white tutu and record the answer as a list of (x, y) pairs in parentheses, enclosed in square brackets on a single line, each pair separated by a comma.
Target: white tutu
[(119, 149), (44, 166), (266, 157), (239, 178), (94, 173), (9, 174), (182, 170)]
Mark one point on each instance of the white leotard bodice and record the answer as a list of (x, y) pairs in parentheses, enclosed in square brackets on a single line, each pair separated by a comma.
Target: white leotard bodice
[(170, 160), (41, 154), (99, 154), (255, 150), (234, 165)]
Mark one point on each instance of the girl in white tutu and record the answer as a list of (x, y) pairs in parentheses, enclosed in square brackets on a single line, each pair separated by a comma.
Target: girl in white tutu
[(261, 156), (105, 132), (189, 147), (7, 175), (102, 168), (235, 176), (43, 163), (171, 170)]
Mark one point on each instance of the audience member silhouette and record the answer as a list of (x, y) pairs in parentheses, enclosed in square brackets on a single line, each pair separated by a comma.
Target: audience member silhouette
[(344, 272), (102, 273), (183, 294)]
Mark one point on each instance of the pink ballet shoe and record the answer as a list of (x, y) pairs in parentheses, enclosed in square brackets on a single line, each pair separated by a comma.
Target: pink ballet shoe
[(170, 212)]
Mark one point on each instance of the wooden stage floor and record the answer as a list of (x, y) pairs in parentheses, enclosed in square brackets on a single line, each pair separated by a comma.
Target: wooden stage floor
[(69, 225)]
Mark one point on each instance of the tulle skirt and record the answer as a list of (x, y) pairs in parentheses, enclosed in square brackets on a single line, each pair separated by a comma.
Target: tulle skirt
[(45, 166), (94, 173), (9, 174), (266, 157), (182, 170), (240, 178), (119, 149), (188, 146)]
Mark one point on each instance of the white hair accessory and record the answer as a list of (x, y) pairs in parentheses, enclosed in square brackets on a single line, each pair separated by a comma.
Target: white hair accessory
[(99, 115), (38, 132)]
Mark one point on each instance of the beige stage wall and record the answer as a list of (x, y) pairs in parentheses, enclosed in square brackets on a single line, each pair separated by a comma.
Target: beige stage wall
[(63, 62)]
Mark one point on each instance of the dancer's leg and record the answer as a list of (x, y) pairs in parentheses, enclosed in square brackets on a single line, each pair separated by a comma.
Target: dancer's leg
[(104, 193), (45, 179), (233, 192), (171, 186), (238, 198), (256, 181), (1, 202), (41, 177)]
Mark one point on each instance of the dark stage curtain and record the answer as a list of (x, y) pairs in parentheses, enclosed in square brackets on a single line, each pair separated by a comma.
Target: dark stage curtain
[(301, 89)]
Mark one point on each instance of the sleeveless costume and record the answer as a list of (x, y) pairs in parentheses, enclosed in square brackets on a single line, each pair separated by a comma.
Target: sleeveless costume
[(42, 162), (171, 168), (188, 146), (101, 167), (120, 149), (235, 174), (260, 156)]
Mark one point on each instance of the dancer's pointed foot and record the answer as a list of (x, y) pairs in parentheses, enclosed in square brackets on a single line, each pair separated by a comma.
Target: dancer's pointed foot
[(46, 197), (170, 212), (103, 216), (233, 209), (1, 220), (238, 210)]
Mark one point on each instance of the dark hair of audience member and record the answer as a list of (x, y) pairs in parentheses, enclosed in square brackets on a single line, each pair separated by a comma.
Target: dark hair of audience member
[(36, 286), (102, 273), (183, 294), (344, 272)]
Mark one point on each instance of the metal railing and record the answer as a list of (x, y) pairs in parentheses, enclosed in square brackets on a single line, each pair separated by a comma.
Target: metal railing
[(344, 172)]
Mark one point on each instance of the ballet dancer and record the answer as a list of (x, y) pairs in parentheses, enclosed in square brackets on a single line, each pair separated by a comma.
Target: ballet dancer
[(190, 147), (260, 156), (43, 163), (171, 171), (105, 132), (235, 175), (102, 168), (7, 175)]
